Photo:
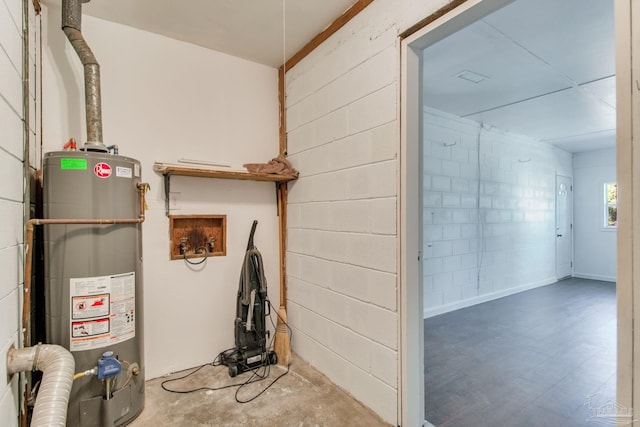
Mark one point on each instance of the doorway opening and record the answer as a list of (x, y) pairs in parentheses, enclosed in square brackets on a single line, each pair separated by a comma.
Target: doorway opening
[(515, 114)]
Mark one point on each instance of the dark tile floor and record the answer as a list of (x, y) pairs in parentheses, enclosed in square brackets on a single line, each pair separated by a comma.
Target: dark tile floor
[(545, 357)]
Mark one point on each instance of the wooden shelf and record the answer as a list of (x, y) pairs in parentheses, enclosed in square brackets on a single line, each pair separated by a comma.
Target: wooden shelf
[(167, 171), (221, 174)]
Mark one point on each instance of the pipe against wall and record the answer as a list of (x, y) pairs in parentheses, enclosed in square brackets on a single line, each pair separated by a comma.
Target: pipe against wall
[(71, 25)]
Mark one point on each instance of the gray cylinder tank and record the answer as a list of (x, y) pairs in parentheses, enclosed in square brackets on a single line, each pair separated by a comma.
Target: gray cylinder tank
[(93, 279)]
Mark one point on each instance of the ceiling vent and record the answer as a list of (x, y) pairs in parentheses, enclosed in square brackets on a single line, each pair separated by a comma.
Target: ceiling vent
[(471, 76)]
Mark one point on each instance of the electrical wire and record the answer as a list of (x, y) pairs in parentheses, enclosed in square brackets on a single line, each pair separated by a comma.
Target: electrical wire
[(258, 374), (268, 370), (273, 309), (267, 366)]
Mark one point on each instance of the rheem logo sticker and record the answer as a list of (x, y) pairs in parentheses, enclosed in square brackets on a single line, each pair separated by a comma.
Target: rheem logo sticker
[(102, 170)]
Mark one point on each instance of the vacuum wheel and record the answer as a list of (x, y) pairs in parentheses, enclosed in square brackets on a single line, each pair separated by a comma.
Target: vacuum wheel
[(233, 371), (273, 358)]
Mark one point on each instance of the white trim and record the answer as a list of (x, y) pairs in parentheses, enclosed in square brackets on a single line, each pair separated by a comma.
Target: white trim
[(431, 312), (411, 357), (595, 277)]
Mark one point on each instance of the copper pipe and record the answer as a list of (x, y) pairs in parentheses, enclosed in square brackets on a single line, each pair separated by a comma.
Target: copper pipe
[(26, 304)]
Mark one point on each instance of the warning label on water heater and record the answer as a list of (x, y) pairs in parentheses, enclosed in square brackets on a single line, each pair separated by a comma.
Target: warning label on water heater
[(102, 311)]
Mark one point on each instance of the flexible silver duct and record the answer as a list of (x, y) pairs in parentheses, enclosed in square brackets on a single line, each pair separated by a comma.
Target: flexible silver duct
[(57, 366), (71, 25)]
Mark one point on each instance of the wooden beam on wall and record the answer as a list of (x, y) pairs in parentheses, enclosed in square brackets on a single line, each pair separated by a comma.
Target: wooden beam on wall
[(282, 187), (283, 112), (340, 22), (347, 16), (429, 19)]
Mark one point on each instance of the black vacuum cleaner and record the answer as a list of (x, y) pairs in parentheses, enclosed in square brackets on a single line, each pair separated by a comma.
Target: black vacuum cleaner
[(252, 309)]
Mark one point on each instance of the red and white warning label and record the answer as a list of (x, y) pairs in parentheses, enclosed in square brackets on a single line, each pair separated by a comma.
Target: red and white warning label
[(85, 307), (102, 310), (90, 328)]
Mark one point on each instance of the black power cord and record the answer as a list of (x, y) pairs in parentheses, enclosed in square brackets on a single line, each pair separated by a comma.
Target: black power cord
[(259, 373)]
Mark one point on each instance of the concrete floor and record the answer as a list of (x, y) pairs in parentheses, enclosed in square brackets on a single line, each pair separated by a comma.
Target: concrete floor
[(304, 397)]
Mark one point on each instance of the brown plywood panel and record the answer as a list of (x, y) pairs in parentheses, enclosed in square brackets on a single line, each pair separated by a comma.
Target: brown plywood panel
[(196, 233)]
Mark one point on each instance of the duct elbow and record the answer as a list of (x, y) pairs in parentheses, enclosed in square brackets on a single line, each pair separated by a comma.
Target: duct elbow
[(80, 45), (57, 366)]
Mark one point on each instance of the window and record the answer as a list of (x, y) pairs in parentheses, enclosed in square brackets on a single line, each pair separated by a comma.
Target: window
[(610, 205)]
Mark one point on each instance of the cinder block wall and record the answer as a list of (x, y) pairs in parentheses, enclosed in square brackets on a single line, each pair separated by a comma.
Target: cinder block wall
[(489, 212), (342, 261), (12, 198), (342, 235)]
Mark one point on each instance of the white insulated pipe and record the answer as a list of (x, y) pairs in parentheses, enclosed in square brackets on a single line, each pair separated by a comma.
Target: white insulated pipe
[(57, 366)]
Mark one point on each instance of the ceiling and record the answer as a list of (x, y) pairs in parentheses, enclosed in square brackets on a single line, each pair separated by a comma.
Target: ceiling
[(547, 66), (249, 29), (541, 68)]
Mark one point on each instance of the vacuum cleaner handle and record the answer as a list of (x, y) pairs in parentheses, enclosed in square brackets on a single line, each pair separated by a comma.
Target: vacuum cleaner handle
[(253, 231)]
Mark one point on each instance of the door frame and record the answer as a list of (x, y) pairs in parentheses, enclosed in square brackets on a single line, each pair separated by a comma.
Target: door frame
[(628, 172), (411, 357)]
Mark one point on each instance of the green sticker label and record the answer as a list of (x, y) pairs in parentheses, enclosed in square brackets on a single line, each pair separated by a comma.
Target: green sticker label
[(73, 164)]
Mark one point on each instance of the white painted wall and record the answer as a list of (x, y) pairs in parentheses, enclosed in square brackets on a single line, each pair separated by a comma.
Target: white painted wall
[(343, 135), (164, 100), (484, 242), (12, 198), (594, 246)]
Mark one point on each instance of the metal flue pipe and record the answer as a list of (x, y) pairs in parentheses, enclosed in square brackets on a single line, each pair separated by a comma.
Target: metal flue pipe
[(71, 25), (57, 366)]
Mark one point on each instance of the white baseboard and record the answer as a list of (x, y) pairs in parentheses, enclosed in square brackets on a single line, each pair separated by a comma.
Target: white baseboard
[(430, 312), (427, 424), (595, 277)]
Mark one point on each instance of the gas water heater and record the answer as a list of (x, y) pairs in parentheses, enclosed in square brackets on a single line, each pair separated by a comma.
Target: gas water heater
[(93, 282)]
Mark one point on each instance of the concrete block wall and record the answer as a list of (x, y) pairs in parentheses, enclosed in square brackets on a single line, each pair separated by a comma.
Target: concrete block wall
[(489, 212), (343, 135), (12, 191)]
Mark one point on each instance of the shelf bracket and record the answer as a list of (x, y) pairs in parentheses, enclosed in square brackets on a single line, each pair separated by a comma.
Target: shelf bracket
[(167, 192), (278, 198)]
